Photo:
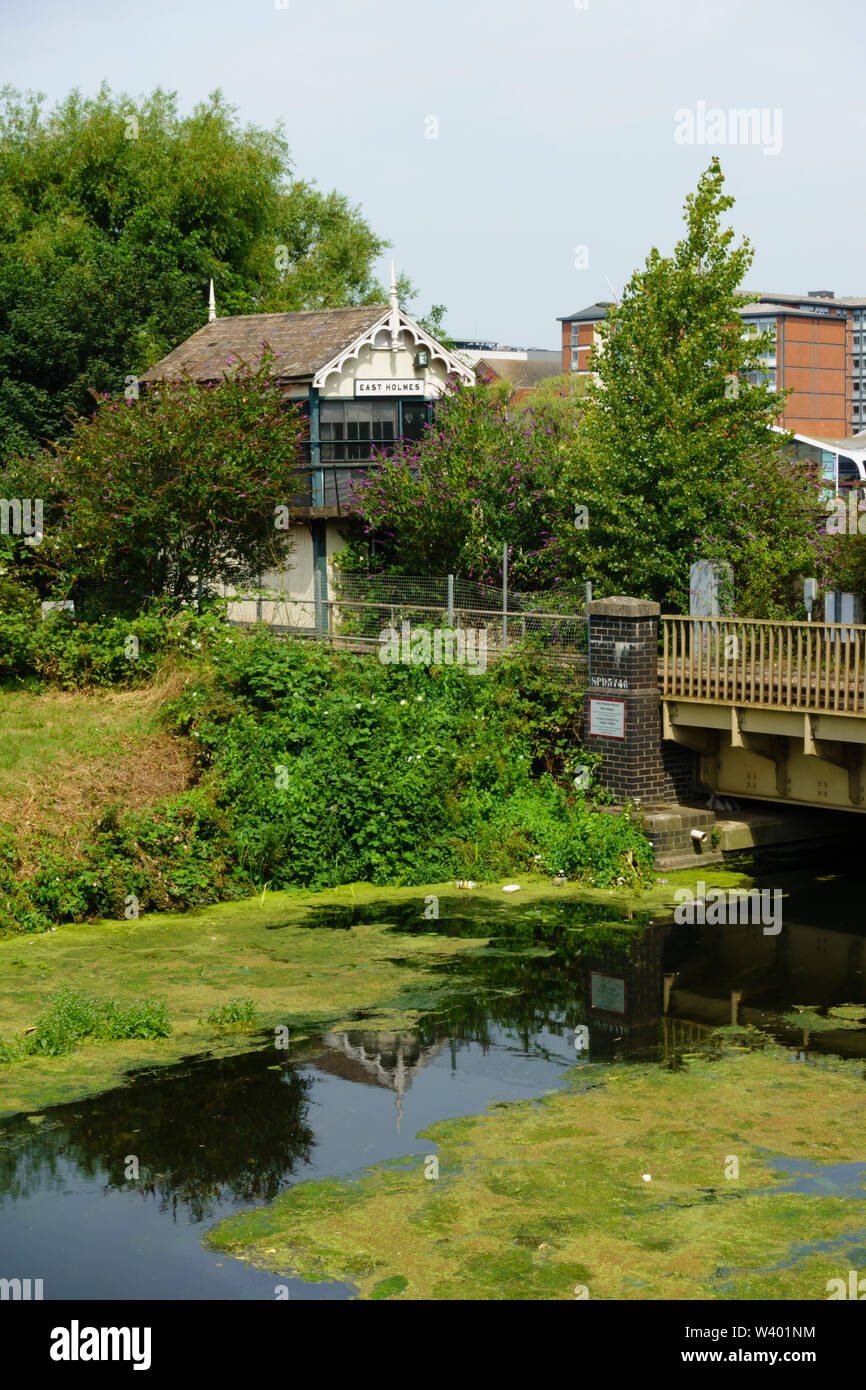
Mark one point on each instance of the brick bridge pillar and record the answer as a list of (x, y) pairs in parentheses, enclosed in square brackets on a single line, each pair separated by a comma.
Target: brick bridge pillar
[(622, 707)]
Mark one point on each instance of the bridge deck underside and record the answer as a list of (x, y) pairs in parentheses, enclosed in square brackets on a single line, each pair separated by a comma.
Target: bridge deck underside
[(805, 756)]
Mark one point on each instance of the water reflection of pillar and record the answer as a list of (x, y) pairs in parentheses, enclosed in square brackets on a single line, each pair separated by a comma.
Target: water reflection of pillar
[(782, 958), (682, 1032), (855, 986), (623, 994)]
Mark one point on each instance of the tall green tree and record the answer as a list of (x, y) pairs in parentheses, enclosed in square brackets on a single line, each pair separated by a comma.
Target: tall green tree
[(115, 214), (673, 428)]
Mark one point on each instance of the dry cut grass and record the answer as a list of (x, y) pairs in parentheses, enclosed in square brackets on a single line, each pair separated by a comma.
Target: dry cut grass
[(65, 757)]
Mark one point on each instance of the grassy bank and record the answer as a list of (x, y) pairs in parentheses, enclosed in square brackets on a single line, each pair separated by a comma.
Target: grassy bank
[(252, 762), (66, 757), (549, 1199)]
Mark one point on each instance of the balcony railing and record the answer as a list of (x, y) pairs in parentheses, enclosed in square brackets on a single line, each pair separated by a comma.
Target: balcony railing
[(326, 483)]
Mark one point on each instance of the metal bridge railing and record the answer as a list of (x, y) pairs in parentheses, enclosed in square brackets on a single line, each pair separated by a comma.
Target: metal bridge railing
[(818, 667)]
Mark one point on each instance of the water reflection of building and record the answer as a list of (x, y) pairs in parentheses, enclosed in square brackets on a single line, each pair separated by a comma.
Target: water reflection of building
[(390, 1060)]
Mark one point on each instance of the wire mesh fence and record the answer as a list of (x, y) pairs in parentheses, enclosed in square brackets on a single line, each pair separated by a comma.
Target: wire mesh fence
[(366, 611)]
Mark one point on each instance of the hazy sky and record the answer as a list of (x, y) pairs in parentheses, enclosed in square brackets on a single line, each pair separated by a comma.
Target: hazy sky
[(556, 126)]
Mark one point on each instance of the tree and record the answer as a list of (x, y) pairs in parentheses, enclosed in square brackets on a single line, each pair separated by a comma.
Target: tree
[(672, 425), (114, 216), (150, 496), (434, 324)]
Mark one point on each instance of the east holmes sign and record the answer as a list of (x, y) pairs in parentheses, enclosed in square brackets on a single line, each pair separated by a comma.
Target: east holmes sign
[(396, 386)]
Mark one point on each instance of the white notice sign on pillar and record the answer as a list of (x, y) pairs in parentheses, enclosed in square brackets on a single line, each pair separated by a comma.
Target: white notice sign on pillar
[(607, 718), (607, 992)]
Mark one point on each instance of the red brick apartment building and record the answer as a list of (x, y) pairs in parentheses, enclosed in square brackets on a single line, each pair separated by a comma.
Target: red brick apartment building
[(819, 355)]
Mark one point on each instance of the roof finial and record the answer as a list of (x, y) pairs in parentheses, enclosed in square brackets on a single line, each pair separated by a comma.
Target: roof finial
[(211, 305), (395, 312)]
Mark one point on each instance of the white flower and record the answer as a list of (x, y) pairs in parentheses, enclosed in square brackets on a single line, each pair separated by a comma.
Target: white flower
[(419, 697), (402, 702)]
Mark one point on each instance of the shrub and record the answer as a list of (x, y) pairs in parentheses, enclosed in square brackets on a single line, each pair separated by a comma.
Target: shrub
[(236, 1013), (70, 1016), (110, 651)]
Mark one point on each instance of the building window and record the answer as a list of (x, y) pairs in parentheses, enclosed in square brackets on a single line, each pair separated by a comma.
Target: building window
[(351, 430), (414, 419), (754, 328), (767, 379)]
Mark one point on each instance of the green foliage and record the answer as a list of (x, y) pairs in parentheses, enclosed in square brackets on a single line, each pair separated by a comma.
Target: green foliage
[(178, 854), (386, 1287), (434, 324), (115, 215), (480, 477), (329, 764), (841, 559), (78, 655), (572, 838), (155, 494), (769, 534), (675, 453), (319, 768), (236, 1013), (71, 1016)]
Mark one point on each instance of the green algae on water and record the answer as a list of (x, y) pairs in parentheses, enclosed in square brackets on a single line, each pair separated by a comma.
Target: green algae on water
[(647, 1184)]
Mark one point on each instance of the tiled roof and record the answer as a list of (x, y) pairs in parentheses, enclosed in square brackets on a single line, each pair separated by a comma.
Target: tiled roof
[(303, 341)]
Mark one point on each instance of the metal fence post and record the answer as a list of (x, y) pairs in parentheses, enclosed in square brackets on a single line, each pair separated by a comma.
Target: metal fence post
[(504, 597), (588, 642), (451, 600)]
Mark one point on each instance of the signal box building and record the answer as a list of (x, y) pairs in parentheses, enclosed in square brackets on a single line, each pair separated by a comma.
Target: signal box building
[(365, 377)]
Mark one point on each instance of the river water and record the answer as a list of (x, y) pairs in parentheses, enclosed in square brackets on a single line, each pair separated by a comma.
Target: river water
[(561, 984)]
